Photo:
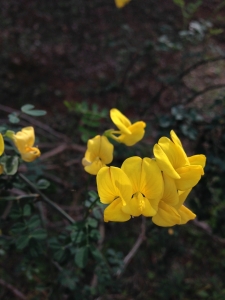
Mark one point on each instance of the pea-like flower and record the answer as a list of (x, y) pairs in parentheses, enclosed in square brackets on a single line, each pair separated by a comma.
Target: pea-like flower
[(172, 160), (133, 190), (128, 134), (114, 188), (147, 186), (2, 145), (171, 210), (24, 141), (99, 153), (121, 3)]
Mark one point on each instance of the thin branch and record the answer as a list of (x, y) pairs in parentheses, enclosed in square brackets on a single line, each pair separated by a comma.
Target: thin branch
[(207, 89), (47, 200), (208, 230), (198, 64), (134, 249), (16, 292), (35, 122)]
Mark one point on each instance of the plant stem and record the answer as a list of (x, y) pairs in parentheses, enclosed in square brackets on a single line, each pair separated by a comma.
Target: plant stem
[(47, 200)]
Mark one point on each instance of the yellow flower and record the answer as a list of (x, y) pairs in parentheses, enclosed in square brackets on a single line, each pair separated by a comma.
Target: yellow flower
[(133, 190), (114, 188), (99, 153), (121, 3), (129, 134), (147, 186), (24, 141), (2, 146), (172, 160), (1, 169), (171, 210)]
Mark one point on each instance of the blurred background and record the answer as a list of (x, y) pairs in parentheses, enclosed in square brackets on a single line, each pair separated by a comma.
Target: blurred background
[(161, 62)]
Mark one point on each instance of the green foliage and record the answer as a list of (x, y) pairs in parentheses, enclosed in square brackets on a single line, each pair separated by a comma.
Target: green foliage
[(90, 118)]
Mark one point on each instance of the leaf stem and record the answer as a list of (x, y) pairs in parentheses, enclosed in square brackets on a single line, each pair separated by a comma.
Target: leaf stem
[(47, 200)]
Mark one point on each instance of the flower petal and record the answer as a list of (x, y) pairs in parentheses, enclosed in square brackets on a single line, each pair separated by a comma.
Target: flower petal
[(2, 146), (1, 169), (94, 167), (175, 138), (182, 197), (31, 154), (114, 212), (137, 132), (186, 214), (145, 177), (170, 195), (121, 3), (189, 177), (120, 120), (164, 163), (112, 183), (132, 166), (24, 138), (174, 152), (139, 205), (99, 147), (166, 215), (199, 159), (106, 150)]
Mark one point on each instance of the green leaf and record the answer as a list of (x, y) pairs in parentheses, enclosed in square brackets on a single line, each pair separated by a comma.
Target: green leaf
[(180, 3), (13, 118), (28, 109), (81, 257), (18, 228), (22, 242), (39, 234), (10, 164), (43, 184), (26, 210), (58, 255), (34, 222), (92, 222)]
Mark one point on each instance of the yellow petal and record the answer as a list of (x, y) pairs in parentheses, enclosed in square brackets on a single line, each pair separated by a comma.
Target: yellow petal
[(199, 159), (174, 152), (164, 163), (99, 148), (182, 197), (94, 167), (112, 183), (106, 150), (1, 169), (175, 138), (186, 214), (30, 154), (132, 166), (24, 138), (120, 120), (166, 215), (170, 195), (121, 3), (114, 212), (1, 144), (136, 134), (139, 205), (189, 177), (145, 177)]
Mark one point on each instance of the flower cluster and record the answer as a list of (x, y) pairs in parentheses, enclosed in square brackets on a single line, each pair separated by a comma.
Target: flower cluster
[(153, 187), (23, 141)]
